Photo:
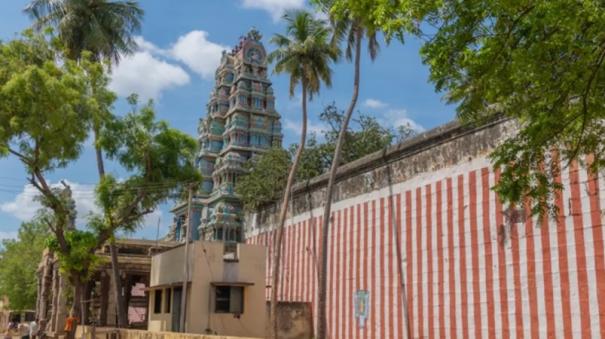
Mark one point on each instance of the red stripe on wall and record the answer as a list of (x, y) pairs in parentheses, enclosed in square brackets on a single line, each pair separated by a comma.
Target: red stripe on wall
[(450, 246), (373, 295), (383, 276), (514, 239), (489, 274), (597, 237), (340, 273), (472, 187), (419, 261), (332, 270), (462, 241), (409, 258), (563, 257), (295, 261), (576, 211), (391, 299), (351, 254), (318, 229), (440, 259), (401, 312), (501, 231), (358, 285), (532, 290), (366, 280), (305, 261), (547, 274), (292, 256), (285, 264), (429, 256)]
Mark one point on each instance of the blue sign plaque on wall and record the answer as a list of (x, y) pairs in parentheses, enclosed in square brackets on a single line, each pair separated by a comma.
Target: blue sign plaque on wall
[(361, 302)]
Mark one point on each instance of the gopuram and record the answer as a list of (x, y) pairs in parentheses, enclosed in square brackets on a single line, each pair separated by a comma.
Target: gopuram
[(240, 123)]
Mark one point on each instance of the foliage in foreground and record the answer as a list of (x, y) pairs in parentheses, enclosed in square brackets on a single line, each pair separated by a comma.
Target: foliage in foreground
[(38, 84), (19, 259), (538, 62)]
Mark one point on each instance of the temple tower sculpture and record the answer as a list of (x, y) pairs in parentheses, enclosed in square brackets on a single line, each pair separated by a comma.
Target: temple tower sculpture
[(241, 122)]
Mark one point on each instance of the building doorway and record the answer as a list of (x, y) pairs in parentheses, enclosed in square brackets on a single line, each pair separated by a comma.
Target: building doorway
[(177, 293)]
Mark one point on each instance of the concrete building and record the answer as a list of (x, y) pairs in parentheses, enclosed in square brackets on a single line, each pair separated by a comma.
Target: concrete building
[(241, 121), (225, 293), (421, 245)]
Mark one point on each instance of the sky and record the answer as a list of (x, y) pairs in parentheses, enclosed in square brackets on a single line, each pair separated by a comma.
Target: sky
[(179, 48)]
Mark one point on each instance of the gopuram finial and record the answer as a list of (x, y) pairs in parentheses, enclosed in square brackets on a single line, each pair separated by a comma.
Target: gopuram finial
[(254, 34)]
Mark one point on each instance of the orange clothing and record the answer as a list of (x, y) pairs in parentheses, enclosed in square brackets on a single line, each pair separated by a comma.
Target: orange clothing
[(70, 324)]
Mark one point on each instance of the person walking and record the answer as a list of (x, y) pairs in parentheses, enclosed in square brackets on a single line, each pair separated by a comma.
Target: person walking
[(33, 329)]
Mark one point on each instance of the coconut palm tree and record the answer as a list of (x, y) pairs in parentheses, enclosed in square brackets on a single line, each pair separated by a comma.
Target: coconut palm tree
[(105, 29), (305, 54), (352, 27)]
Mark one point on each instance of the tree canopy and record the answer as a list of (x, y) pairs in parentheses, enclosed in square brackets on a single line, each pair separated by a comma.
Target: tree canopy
[(104, 28), (365, 136), (48, 106), (537, 62), (19, 259)]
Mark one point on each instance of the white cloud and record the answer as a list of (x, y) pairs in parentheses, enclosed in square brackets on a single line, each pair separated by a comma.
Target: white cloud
[(24, 206), (151, 220), (146, 46), (275, 8), (295, 126), (374, 103), (399, 117), (8, 235), (198, 53), (146, 75)]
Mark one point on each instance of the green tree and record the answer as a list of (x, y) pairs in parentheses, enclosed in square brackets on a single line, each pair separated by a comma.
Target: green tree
[(368, 137), (104, 28), (305, 54), (43, 123), (19, 260), (539, 63), (254, 188), (365, 136)]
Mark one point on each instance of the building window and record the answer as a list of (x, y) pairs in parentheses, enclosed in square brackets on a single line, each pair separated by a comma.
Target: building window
[(157, 302), (167, 304), (229, 299)]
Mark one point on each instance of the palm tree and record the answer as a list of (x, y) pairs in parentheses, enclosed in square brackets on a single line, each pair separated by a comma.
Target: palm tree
[(305, 53), (104, 28), (352, 27)]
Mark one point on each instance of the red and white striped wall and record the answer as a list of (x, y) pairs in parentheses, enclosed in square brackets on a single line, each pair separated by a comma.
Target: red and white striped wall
[(467, 271)]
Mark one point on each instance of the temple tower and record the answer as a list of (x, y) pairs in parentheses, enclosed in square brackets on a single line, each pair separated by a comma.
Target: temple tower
[(240, 122)]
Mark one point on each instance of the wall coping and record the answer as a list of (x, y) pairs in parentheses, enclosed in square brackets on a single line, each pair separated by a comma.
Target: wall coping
[(417, 144)]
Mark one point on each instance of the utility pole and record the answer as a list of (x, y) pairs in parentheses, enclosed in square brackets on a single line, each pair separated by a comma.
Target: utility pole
[(186, 275)]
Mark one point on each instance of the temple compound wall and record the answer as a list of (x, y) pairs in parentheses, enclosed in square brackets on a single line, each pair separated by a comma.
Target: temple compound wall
[(419, 244)]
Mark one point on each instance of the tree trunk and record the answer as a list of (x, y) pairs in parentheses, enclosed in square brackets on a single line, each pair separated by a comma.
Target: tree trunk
[(115, 270), (76, 306), (117, 282), (322, 290), (284, 212)]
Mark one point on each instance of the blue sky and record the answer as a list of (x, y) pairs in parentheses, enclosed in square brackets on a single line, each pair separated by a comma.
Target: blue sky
[(179, 48)]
